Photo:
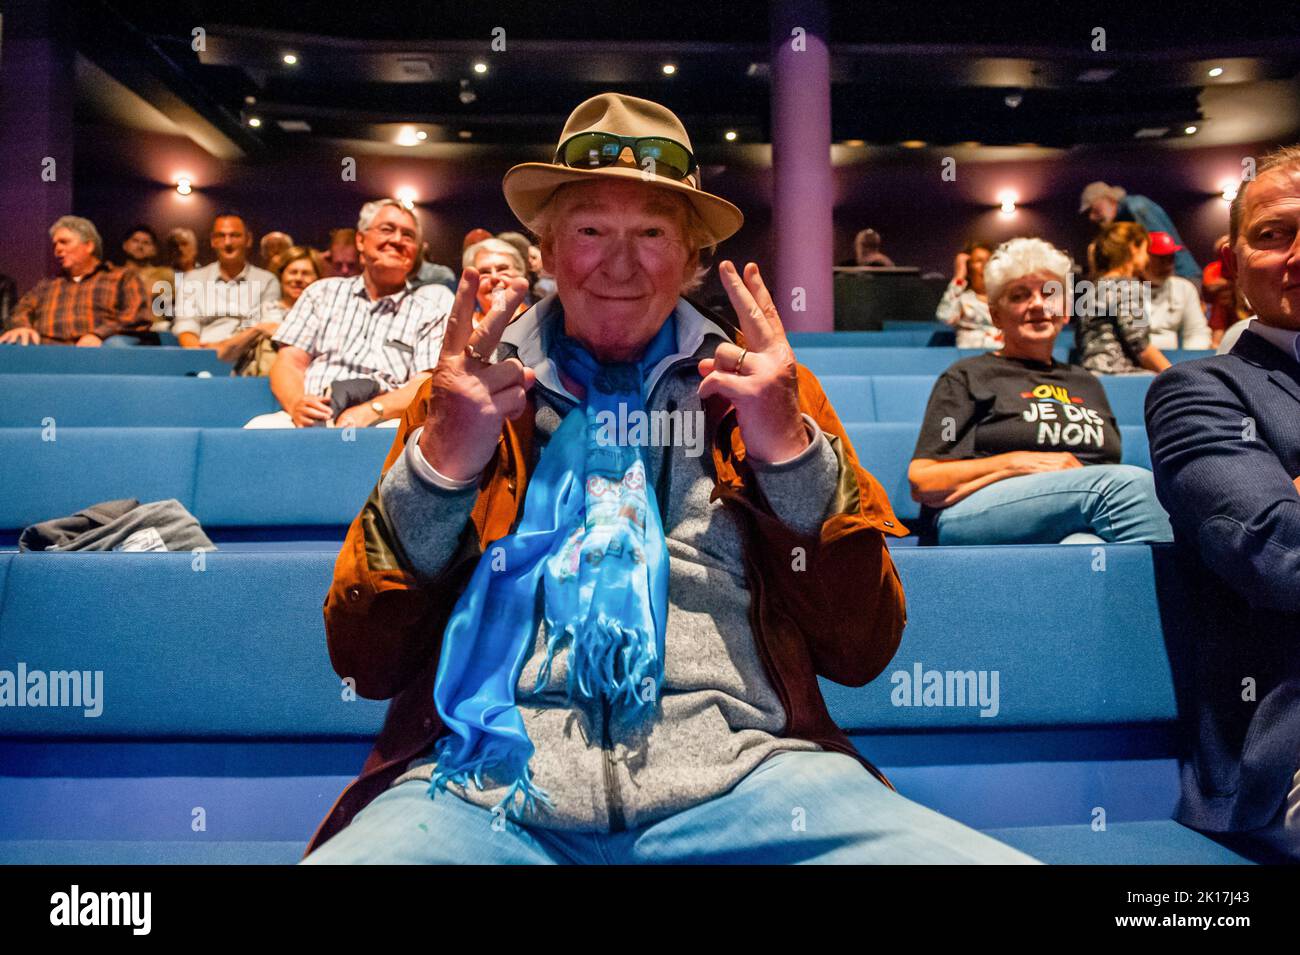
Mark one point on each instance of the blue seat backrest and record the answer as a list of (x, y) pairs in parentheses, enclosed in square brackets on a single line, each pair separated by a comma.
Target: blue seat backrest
[(287, 477), (109, 401), (1075, 634), (144, 360), (53, 472), (231, 647)]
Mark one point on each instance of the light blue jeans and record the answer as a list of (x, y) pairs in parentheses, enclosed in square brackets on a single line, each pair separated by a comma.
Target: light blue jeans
[(794, 807), (1116, 502)]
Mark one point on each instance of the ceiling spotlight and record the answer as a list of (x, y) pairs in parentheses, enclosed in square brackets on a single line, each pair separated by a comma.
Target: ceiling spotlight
[(1217, 71), (480, 67), (250, 100), (254, 122), (913, 144), (669, 69), (406, 195), (421, 135), (467, 95), (1013, 99), (1007, 202), (465, 134), (290, 59), (183, 185), (729, 135), (1189, 130), (855, 142), (1229, 189), (407, 136)]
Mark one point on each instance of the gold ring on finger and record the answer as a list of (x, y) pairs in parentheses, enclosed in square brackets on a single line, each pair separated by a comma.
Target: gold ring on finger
[(473, 352), (741, 360)]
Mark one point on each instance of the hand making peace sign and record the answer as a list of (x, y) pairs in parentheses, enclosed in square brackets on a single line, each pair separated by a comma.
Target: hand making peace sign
[(469, 398), (760, 379)]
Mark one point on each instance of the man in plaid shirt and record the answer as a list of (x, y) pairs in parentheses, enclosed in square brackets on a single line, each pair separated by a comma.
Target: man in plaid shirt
[(87, 303)]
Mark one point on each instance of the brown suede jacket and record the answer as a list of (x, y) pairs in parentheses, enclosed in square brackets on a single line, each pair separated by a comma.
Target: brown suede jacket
[(835, 608)]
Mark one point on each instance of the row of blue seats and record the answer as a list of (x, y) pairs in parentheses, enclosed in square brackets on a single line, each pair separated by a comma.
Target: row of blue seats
[(303, 484), (1037, 719), (162, 401), (881, 352)]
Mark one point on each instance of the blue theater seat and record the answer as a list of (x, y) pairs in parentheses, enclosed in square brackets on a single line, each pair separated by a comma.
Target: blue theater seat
[(243, 486), (827, 359), (862, 398), (121, 401), (220, 698), (290, 489), (145, 360)]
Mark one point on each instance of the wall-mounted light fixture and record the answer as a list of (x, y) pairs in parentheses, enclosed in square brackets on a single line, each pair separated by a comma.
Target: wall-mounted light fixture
[(1007, 199), (184, 185)]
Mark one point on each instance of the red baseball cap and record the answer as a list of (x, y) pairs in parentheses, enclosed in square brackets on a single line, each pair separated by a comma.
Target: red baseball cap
[(1163, 244)]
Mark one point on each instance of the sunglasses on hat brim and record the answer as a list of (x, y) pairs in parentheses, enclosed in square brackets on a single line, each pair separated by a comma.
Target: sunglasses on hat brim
[(594, 150)]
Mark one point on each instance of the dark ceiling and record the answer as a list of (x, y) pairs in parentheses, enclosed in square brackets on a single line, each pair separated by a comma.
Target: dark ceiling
[(900, 71)]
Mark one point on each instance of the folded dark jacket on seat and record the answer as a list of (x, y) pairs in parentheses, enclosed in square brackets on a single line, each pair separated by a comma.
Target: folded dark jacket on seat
[(125, 525)]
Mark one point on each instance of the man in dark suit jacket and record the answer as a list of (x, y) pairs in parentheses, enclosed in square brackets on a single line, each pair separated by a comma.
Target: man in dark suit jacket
[(1225, 449)]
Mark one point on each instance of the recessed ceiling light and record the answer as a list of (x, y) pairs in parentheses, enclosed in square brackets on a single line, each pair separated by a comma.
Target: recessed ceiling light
[(421, 135), (407, 136), (290, 59), (669, 69), (1189, 130), (254, 122), (480, 67), (183, 185), (1217, 71), (406, 195), (250, 100), (912, 143), (855, 142), (465, 134), (294, 125), (729, 135)]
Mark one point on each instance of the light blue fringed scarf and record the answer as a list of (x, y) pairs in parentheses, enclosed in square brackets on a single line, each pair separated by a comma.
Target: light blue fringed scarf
[(591, 540)]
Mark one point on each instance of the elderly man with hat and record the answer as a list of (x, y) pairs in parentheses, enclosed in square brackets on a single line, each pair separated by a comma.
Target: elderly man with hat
[(614, 545), (1105, 204)]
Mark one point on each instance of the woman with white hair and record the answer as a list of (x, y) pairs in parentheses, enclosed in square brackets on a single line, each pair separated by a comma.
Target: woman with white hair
[(1018, 448), (498, 262)]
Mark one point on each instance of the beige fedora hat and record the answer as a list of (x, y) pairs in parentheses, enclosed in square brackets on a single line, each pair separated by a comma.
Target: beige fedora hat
[(530, 185)]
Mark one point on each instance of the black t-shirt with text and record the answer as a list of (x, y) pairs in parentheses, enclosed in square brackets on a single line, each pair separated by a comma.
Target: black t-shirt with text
[(990, 405)]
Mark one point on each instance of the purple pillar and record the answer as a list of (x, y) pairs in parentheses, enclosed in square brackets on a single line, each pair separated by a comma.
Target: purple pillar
[(803, 195), (37, 87)]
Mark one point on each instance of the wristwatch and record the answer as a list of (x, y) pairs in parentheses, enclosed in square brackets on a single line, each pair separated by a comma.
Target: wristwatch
[(378, 409)]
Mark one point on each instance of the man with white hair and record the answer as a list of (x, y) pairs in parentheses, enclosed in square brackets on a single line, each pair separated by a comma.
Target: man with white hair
[(88, 303), (1106, 204), (353, 350), (1225, 448)]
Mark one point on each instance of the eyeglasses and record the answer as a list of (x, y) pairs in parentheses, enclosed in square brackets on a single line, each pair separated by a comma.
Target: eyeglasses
[(389, 231), (661, 156)]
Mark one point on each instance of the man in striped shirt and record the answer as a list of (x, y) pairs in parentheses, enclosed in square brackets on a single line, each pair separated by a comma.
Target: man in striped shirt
[(87, 303), (374, 326)]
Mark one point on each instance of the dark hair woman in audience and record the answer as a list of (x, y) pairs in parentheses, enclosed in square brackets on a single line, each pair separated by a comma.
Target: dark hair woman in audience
[(250, 347), (965, 303), (1018, 448), (1114, 324)]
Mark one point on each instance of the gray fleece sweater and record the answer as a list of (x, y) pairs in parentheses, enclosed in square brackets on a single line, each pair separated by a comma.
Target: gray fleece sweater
[(719, 715)]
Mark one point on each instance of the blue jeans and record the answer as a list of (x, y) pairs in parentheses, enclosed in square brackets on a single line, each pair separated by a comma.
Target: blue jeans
[(121, 341), (1116, 502), (794, 807)]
